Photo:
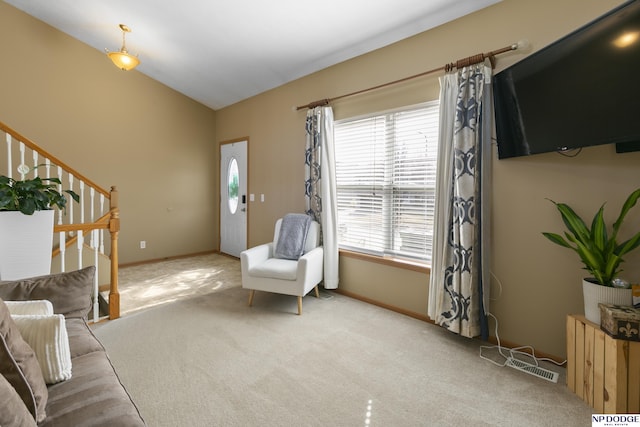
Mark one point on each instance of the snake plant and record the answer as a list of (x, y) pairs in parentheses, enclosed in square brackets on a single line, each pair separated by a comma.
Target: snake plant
[(597, 248)]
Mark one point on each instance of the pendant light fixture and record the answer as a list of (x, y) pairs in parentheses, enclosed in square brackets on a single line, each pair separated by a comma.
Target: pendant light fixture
[(123, 59)]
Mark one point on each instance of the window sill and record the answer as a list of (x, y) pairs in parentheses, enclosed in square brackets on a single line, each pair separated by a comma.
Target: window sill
[(393, 262)]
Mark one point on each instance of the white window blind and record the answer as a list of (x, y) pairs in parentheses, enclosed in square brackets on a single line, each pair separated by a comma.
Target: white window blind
[(386, 176)]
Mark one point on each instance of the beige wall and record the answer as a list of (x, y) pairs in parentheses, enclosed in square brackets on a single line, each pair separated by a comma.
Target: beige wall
[(535, 284), (117, 128)]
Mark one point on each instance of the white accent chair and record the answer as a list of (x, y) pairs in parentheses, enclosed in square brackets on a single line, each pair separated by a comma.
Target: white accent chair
[(262, 272)]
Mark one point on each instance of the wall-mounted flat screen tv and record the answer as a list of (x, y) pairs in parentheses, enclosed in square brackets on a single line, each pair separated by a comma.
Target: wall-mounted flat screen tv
[(580, 91)]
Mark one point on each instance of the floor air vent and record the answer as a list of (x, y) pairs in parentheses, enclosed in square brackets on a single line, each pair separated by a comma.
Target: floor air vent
[(534, 370), (324, 294)]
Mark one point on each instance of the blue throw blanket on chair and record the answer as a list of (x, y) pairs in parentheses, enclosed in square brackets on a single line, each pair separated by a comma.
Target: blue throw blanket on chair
[(292, 236)]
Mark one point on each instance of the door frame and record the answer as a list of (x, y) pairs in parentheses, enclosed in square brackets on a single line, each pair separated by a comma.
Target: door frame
[(219, 189)]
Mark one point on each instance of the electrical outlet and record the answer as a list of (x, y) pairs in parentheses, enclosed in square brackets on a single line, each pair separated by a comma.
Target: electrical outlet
[(143, 244)]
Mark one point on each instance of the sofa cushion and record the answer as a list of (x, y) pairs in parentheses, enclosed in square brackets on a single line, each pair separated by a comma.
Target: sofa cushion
[(276, 268), (13, 412), (81, 339), (70, 293), (18, 364), (93, 396), (47, 336)]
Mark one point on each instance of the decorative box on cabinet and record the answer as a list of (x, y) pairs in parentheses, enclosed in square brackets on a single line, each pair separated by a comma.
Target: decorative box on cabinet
[(601, 370)]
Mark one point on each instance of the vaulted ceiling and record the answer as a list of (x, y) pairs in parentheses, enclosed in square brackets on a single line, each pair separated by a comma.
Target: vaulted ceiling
[(221, 52)]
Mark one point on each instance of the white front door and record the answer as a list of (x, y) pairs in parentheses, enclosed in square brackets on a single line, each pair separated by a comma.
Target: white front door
[(233, 197)]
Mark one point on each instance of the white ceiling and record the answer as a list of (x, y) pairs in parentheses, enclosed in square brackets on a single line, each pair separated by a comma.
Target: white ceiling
[(221, 52)]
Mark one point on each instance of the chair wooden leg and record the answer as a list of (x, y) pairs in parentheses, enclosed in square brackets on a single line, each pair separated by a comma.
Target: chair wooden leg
[(251, 294), (299, 306), (317, 292)]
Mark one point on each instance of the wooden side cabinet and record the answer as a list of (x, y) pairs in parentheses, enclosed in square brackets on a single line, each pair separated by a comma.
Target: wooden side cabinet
[(601, 370)]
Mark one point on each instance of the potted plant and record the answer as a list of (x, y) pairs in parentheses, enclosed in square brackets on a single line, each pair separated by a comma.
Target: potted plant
[(600, 253), (26, 224)]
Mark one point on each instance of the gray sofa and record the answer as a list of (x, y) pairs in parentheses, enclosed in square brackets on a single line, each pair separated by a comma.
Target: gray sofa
[(93, 396)]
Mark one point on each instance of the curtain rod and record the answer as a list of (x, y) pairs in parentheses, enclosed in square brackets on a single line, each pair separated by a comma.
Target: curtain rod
[(448, 67)]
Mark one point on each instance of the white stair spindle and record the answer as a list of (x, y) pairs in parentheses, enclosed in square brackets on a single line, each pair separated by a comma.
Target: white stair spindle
[(96, 305), (102, 211), (92, 194), (22, 160), (63, 250), (9, 162), (34, 154), (70, 205), (81, 202), (102, 199), (47, 167), (59, 191), (80, 245)]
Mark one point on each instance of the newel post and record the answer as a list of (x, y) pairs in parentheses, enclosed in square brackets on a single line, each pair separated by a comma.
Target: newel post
[(114, 228)]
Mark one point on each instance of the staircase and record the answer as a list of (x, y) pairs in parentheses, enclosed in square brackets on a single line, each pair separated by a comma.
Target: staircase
[(79, 234)]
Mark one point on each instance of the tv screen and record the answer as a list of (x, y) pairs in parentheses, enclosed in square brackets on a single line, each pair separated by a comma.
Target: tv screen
[(580, 91)]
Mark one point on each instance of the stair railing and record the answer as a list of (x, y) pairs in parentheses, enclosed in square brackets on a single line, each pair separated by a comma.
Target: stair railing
[(96, 212)]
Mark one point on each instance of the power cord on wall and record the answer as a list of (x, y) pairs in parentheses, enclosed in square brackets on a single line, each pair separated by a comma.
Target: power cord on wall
[(510, 354), (512, 361)]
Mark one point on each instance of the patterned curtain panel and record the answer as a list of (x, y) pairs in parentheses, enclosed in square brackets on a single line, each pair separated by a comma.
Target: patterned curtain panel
[(320, 186), (459, 282)]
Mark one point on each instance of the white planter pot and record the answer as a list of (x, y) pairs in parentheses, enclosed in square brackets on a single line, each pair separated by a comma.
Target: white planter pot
[(595, 294), (26, 243)]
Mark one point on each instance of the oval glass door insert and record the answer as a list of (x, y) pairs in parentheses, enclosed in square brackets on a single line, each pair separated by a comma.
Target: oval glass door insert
[(232, 185)]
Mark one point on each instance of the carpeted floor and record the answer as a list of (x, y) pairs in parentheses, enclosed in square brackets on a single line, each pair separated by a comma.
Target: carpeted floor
[(210, 360), (149, 285)]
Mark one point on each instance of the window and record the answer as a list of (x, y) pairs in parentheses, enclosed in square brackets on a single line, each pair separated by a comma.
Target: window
[(233, 185), (386, 176)]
